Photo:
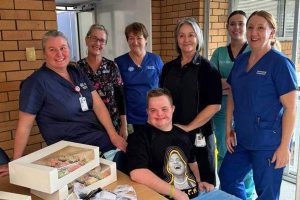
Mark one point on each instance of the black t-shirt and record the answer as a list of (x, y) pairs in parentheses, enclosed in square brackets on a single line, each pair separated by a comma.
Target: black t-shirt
[(166, 154), (193, 87)]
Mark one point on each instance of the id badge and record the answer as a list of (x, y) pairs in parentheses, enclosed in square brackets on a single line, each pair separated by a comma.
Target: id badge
[(200, 140), (83, 104)]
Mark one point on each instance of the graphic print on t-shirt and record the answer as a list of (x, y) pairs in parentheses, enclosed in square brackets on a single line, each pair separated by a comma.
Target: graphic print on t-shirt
[(177, 171)]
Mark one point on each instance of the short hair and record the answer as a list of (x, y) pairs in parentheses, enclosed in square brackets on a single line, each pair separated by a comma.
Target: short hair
[(96, 27), (236, 12), (53, 33), (268, 16), (191, 21), (157, 92), (137, 29)]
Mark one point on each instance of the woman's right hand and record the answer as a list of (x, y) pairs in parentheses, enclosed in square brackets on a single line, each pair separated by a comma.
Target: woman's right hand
[(230, 140), (119, 142), (3, 170), (179, 195)]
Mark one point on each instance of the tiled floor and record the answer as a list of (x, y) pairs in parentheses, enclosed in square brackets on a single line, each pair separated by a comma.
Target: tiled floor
[(287, 191)]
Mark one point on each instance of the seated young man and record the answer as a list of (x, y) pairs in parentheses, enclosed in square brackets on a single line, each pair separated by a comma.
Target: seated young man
[(160, 155)]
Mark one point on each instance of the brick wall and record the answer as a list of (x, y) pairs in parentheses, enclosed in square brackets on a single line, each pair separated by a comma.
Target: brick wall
[(166, 13), (22, 24), (217, 25)]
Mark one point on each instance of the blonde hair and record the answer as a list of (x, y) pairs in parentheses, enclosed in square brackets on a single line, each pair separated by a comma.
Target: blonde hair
[(268, 16)]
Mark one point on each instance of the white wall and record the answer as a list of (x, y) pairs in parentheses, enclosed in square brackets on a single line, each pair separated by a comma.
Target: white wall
[(115, 15), (85, 20)]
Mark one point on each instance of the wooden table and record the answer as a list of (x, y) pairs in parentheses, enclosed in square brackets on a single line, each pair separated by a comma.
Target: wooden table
[(142, 191)]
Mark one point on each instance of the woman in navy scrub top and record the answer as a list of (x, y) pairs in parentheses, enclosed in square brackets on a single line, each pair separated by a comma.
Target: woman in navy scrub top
[(64, 104), (262, 102)]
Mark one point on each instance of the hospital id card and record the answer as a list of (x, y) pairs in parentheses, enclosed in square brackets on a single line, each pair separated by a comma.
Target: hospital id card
[(200, 140), (83, 104)]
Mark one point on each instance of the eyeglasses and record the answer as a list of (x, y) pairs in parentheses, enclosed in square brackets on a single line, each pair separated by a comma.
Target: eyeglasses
[(95, 39)]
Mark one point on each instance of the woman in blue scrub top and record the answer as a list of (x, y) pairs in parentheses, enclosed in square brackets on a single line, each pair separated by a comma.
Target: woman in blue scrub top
[(63, 102), (262, 102), (223, 58), (140, 71)]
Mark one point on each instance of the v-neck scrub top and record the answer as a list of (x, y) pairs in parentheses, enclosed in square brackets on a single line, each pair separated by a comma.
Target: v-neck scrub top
[(138, 80), (256, 94), (56, 105)]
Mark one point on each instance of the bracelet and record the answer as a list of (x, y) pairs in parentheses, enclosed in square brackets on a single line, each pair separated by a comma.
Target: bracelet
[(172, 191)]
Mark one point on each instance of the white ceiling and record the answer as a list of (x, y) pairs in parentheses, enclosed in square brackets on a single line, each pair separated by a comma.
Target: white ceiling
[(72, 2)]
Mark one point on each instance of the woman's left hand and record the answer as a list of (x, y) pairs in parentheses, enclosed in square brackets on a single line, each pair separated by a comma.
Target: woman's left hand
[(204, 186), (281, 157), (119, 142)]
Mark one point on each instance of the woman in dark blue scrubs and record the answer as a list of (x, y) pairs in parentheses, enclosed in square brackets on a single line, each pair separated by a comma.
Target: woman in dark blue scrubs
[(63, 102), (262, 103)]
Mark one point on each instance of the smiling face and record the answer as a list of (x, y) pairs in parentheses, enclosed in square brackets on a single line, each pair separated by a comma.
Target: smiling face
[(187, 39), (137, 43), (176, 165), (96, 42), (56, 53), (236, 27), (160, 112), (259, 33)]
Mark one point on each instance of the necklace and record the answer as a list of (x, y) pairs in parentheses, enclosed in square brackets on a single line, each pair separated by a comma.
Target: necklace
[(182, 182)]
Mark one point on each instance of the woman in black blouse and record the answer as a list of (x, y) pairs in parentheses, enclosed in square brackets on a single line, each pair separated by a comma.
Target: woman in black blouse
[(197, 92)]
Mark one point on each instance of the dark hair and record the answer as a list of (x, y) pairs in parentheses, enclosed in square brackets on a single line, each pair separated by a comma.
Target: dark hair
[(137, 29), (268, 16), (193, 22), (157, 92), (236, 12), (53, 33)]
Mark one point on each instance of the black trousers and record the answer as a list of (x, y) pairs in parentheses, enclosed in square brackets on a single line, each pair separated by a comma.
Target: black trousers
[(205, 157)]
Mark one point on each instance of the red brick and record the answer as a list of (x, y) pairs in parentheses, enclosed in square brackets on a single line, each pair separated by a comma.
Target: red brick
[(9, 86), (4, 116), (8, 45), (14, 95), (43, 15), (7, 25), (7, 144), (30, 25), (49, 5), (37, 44), (7, 126), (3, 97), (14, 14), (5, 136), (9, 66), (31, 65), (28, 4), (2, 77), (7, 4), (8, 106), (37, 35), (33, 139), (39, 54), (19, 75), (14, 55), (16, 35), (32, 148), (14, 115), (1, 57), (51, 25)]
